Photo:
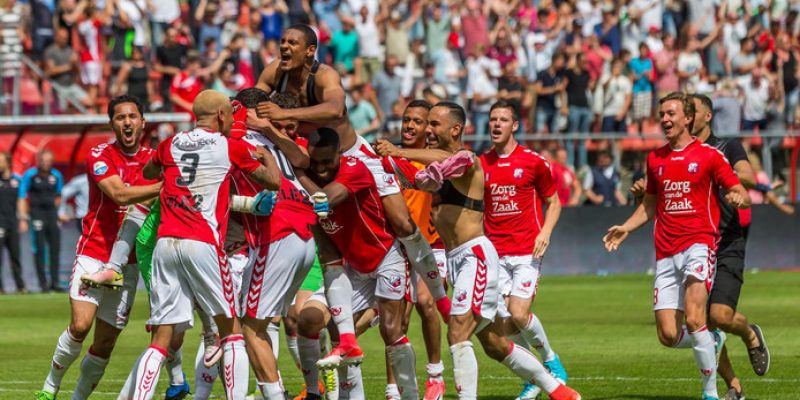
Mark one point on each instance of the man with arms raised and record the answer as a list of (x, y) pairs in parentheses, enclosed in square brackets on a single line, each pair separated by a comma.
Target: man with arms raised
[(320, 90), (189, 264), (115, 181), (472, 262), (683, 178), (517, 182)]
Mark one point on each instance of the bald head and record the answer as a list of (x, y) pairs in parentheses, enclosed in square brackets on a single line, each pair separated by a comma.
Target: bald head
[(213, 111)]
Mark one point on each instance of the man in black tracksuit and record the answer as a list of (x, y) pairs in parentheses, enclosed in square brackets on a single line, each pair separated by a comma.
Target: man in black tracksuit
[(9, 235), (39, 198)]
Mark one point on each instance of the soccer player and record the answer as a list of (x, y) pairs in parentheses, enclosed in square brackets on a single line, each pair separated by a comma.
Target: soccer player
[(518, 182), (352, 217), (281, 249), (189, 264), (730, 255), (683, 178), (414, 122), (472, 262), (320, 92), (115, 181)]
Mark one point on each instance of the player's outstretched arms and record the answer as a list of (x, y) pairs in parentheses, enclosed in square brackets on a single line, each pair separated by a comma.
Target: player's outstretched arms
[(738, 197), (618, 233), (330, 109), (267, 175), (122, 195)]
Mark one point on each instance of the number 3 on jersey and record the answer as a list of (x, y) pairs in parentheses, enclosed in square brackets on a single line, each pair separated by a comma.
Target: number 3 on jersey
[(193, 159)]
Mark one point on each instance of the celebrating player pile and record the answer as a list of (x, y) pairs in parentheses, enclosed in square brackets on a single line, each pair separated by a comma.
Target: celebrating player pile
[(683, 178)]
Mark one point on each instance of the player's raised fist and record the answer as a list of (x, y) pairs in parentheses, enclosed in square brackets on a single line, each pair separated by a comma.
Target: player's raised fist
[(614, 238)]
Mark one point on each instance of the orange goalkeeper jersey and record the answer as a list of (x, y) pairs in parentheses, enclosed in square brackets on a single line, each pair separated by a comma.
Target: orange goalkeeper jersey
[(419, 206)]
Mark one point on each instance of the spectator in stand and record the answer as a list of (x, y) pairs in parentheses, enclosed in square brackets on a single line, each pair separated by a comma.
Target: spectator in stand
[(757, 92), (448, 69), (579, 112), (188, 84), (613, 98), (162, 14), (666, 63), (654, 41), (42, 29), (60, 64), (727, 110), (369, 44), (566, 183), (363, 117), (437, 28), (503, 50), (602, 184), (170, 60), (482, 74), (387, 85), (550, 84), (77, 190), (344, 45), (744, 61), (135, 76), (91, 59), (299, 11), (210, 18), (9, 234), (510, 89), (475, 25), (787, 62), (608, 30), (397, 35), (597, 56), (39, 199), (642, 76), (131, 16), (272, 13)]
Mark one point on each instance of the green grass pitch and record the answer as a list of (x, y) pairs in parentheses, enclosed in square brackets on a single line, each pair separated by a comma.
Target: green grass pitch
[(602, 327)]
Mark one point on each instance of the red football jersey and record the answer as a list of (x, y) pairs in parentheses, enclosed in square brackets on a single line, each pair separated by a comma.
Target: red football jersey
[(514, 186), (104, 217), (357, 226), (293, 212), (196, 167), (686, 183), (563, 177)]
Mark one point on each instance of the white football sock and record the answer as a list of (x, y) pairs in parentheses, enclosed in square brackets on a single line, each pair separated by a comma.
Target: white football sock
[(402, 357), (392, 392), (175, 367), (352, 388), (147, 372), (465, 370), (534, 334), (203, 377), (291, 345), (236, 367), (522, 363), (435, 371), (685, 340), (92, 370), (308, 350), (705, 356), (67, 351), (126, 238), (271, 391), (339, 292), (127, 388), (274, 333), (420, 256)]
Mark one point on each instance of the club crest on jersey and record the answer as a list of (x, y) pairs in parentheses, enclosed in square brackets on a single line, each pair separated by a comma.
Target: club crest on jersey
[(100, 168), (461, 296), (693, 168), (518, 173), (351, 162)]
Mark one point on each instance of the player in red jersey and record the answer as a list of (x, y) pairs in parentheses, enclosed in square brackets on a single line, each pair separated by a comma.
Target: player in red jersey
[(415, 121), (353, 219), (683, 179), (115, 181), (189, 264), (517, 183), (568, 188), (281, 248), (457, 181)]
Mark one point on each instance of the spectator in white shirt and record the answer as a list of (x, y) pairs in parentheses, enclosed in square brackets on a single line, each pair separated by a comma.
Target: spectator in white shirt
[(613, 98)]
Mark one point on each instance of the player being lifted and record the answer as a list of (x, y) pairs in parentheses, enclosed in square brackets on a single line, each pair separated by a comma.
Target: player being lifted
[(472, 262), (415, 121), (518, 182), (320, 90), (683, 178), (115, 181), (189, 264)]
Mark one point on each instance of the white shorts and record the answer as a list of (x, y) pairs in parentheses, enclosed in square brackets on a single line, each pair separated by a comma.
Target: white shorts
[(91, 72), (697, 261), (113, 306), (441, 264), (274, 275), (519, 277), (238, 263), (362, 150), (473, 271), (388, 281), (188, 272)]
